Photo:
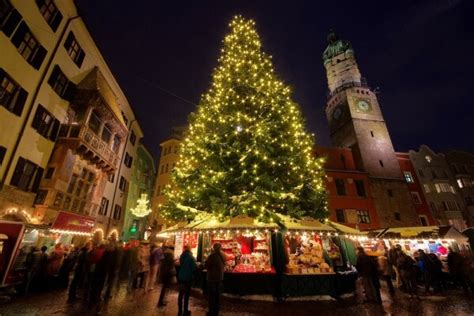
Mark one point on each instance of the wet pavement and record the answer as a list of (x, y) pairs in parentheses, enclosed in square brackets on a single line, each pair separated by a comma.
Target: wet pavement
[(140, 303)]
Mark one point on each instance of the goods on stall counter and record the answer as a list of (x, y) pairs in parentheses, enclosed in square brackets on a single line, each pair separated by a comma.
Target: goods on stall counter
[(245, 254), (308, 259)]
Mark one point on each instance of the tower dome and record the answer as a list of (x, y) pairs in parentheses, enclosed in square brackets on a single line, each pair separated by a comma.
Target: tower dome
[(336, 46)]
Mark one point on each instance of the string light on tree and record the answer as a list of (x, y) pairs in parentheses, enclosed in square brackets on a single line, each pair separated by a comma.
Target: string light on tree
[(246, 151), (142, 209)]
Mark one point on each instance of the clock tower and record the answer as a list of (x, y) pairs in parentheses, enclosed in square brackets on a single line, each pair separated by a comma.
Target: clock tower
[(356, 122)]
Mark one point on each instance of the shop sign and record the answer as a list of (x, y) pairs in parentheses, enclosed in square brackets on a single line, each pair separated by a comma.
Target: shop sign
[(73, 223)]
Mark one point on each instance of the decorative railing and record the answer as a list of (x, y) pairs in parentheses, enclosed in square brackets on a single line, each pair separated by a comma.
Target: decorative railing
[(91, 140)]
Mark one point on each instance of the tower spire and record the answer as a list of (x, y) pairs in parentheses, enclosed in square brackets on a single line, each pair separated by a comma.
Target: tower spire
[(340, 63)]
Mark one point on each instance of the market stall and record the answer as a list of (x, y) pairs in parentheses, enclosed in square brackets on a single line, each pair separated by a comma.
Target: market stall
[(431, 239), (304, 255)]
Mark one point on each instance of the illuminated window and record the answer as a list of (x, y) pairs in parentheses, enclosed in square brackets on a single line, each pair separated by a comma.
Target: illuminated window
[(427, 188), (408, 176), (363, 216), (428, 159)]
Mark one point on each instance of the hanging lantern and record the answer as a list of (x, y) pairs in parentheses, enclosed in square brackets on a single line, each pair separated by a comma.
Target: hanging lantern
[(141, 210)]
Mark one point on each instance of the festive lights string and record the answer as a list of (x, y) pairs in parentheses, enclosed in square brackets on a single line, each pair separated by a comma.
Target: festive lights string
[(142, 209)]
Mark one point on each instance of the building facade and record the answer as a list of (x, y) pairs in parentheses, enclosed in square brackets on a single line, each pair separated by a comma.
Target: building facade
[(142, 182), (439, 186), (350, 197), (416, 190), (356, 122), (66, 125), (168, 158), (462, 167)]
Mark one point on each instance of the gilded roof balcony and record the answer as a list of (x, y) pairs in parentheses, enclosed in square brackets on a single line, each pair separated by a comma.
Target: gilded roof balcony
[(96, 130), (87, 143)]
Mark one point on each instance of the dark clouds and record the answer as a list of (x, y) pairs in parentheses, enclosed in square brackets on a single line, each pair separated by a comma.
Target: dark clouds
[(417, 52)]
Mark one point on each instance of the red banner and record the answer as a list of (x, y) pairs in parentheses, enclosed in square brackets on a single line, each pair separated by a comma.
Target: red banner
[(73, 223)]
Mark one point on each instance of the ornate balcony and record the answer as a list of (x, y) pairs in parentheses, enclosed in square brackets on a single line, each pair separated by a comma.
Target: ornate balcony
[(89, 145)]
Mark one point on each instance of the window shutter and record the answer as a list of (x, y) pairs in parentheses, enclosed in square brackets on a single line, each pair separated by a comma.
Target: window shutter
[(69, 91), (54, 75), (11, 22), (3, 151), (54, 130), (37, 180), (38, 117), (20, 101), (2, 74), (80, 58), (38, 58), (19, 34), (20, 165), (56, 20), (68, 41)]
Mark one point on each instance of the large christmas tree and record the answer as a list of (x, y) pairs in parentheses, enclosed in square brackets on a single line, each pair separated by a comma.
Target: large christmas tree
[(246, 151)]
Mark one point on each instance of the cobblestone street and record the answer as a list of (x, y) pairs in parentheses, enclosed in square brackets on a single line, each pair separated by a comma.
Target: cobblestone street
[(140, 303)]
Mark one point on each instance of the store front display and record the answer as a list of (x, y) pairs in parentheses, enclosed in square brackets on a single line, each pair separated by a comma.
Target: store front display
[(245, 253), (311, 254)]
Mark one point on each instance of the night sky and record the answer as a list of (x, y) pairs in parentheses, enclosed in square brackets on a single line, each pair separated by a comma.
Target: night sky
[(418, 53)]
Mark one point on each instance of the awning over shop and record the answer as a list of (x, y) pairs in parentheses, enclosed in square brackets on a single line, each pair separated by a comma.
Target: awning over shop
[(74, 224), (304, 224), (425, 232), (346, 229)]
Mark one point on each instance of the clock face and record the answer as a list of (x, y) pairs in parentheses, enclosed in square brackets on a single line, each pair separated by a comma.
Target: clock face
[(364, 105), (336, 114)]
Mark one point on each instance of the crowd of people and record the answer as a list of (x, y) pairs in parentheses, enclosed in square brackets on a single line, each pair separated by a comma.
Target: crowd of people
[(98, 270), (409, 272)]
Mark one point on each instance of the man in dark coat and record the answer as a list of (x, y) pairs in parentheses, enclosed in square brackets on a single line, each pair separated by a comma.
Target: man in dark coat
[(455, 265), (368, 272), (167, 272), (215, 265), (79, 272)]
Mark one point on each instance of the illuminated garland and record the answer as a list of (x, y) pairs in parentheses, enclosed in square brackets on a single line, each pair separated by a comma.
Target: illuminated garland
[(246, 151), (142, 209)]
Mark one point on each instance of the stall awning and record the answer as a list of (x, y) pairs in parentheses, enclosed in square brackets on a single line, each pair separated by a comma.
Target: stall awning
[(443, 232), (74, 224), (304, 224), (346, 229)]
